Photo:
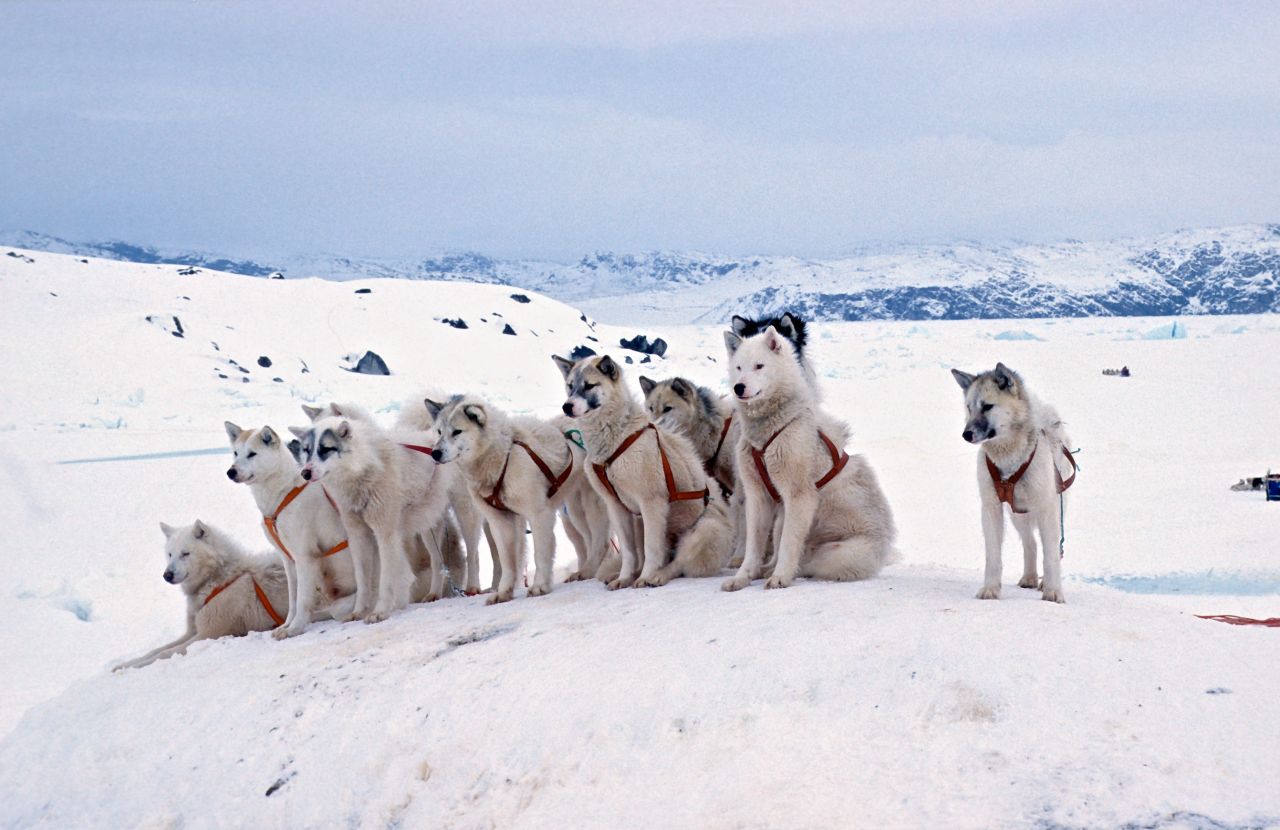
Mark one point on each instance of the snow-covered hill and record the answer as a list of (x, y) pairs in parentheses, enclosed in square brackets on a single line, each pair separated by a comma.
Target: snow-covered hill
[(1206, 271), (898, 702)]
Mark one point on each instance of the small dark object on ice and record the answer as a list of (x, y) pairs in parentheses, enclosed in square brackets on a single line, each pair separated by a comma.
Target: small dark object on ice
[(364, 290), (508, 330), (580, 352), (641, 344), (371, 364), (188, 272), (520, 298), (264, 361), (458, 323)]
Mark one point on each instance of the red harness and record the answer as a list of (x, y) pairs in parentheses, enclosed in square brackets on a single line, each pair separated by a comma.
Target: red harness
[(419, 448), (269, 522), (711, 462), (494, 499), (257, 589), (1230, 619), (1005, 486), (839, 458), (673, 495)]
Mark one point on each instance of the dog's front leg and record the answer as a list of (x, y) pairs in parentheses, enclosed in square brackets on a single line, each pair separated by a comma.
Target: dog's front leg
[(1027, 533), (543, 524), (469, 523), (363, 547), (432, 539), (624, 529), (507, 529), (291, 580), (306, 579), (993, 535), (759, 518), (653, 516), (1051, 542), (394, 574), (168, 649), (797, 518)]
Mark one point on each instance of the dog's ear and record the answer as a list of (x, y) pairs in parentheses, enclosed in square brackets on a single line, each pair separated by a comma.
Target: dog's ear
[(564, 364), (343, 430), (267, 435), (336, 409), (167, 530), (1005, 378), (607, 367), (301, 432), (772, 340), (963, 378), (786, 326), (233, 432), (295, 449), (312, 412), (681, 387), (433, 408), (731, 340), (199, 529), (740, 325), (646, 385), (475, 412)]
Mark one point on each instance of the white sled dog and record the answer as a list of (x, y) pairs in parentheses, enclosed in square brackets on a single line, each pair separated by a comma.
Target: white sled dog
[(229, 592), (646, 472), (1024, 463), (517, 470), (299, 520), (836, 523), (391, 497)]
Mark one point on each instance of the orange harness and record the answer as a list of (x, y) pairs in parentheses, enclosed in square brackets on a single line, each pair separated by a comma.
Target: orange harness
[(269, 522), (494, 499), (257, 589), (710, 466), (839, 458), (673, 495), (419, 448), (1004, 486)]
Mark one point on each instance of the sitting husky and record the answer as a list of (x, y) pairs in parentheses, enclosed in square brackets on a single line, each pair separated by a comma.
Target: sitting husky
[(836, 523), (229, 593), (1025, 463), (298, 520), (391, 496), (789, 326), (517, 470), (645, 471)]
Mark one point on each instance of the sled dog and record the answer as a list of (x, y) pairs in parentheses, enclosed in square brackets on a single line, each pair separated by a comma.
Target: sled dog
[(648, 472), (1023, 462), (299, 521), (586, 518), (836, 523), (790, 326), (517, 470)]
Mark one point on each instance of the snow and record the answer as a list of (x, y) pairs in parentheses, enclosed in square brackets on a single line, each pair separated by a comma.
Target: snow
[(897, 702)]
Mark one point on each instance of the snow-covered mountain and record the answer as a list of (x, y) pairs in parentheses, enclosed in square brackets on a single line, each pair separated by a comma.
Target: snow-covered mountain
[(1207, 271)]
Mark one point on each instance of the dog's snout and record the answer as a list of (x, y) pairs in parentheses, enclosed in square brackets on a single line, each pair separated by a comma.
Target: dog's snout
[(232, 474), (306, 473), (739, 389), (567, 408), (436, 455), (967, 435), (168, 577)]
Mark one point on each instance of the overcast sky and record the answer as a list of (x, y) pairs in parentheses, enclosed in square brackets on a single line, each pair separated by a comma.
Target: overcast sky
[(552, 129)]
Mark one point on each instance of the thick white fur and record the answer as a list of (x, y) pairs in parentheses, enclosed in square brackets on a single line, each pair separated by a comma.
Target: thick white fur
[(201, 558), (309, 526), (586, 521), (702, 538), (844, 531), (1021, 422)]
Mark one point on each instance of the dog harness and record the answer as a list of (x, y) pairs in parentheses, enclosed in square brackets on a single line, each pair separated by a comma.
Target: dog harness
[(494, 499), (257, 589), (724, 432), (269, 522), (1005, 486), (673, 495), (839, 458), (419, 448)]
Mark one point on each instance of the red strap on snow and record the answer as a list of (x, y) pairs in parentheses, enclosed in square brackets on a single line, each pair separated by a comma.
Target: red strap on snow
[(257, 589), (839, 458), (269, 522), (1229, 619), (673, 494)]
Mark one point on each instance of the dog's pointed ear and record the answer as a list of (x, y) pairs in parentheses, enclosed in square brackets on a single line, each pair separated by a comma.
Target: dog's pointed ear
[(167, 530), (963, 378), (786, 326), (646, 385), (1004, 377), (739, 324), (433, 408), (681, 387), (607, 367), (337, 409), (732, 341), (312, 412), (199, 529), (475, 412), (295, 449), (343, 430), (268, 436), (233, 432), (564, 364), (772, 340), (300, 432)]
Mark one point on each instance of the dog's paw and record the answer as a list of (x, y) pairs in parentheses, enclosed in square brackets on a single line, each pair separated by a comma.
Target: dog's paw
[(374, 617), (500, 596), (777, 581), (1029, 581), (574, 577), (538, 590), (615, 584), (431, 597), (1054, 595), (280, 633), (471, 592), (989, 592), (735, 583)]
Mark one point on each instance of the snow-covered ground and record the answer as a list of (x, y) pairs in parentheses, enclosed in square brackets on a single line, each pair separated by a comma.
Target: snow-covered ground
[(899, 702)]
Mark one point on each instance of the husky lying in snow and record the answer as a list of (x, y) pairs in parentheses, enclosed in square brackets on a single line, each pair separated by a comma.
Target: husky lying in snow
[(1025, 463), (836, 523), (517, 470), (229, 592), (391, 497), (298, 520), (646, 472)]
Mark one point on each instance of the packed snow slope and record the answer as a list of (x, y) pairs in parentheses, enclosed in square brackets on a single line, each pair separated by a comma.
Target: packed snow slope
[(901, 701)]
